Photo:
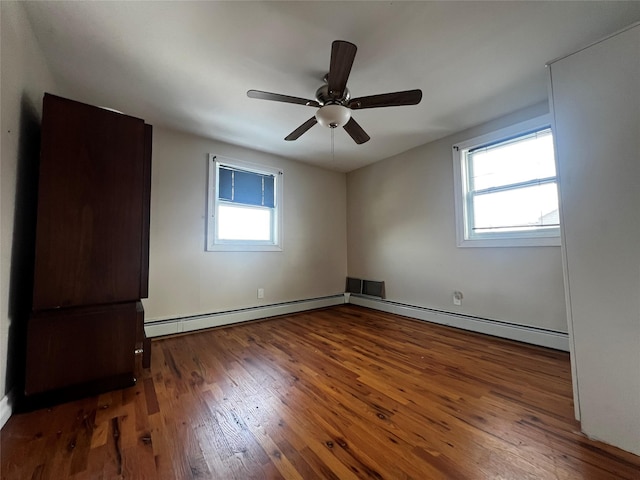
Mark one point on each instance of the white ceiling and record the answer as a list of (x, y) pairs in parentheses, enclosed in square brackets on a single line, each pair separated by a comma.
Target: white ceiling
[(188, 65)]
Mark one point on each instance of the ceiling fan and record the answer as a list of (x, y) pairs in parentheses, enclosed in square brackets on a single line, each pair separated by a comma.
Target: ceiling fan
[(333, 99)]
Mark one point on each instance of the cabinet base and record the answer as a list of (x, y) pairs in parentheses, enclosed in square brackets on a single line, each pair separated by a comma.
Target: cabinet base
[(81, 346), (74, 392)]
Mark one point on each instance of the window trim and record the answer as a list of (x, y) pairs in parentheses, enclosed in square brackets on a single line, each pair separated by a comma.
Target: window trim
[(212, 244), (463, 209)]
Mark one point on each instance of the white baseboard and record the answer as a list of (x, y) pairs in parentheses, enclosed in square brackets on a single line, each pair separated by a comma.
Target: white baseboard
[(198, 322), (5, 408), (522, 333)]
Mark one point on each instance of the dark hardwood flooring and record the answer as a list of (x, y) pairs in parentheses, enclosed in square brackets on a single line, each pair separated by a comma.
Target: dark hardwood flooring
[(341, 393)]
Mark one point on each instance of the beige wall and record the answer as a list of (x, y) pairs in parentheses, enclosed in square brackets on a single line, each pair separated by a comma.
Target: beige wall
[(186, 280), (25, 78), (401, 229)]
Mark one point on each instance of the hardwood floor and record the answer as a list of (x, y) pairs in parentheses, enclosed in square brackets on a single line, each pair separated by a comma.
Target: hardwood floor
[(340, 393)]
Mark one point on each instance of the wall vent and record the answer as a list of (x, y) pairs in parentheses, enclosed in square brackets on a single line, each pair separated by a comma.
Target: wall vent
[(354, 285), (372, 288)]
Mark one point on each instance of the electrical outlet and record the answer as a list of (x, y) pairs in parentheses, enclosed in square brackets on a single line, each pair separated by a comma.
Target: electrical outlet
[(457, 298), (261, 293)]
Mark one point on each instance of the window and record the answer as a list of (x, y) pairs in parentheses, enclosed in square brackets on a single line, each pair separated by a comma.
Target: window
[(506, 188), (244, 207)]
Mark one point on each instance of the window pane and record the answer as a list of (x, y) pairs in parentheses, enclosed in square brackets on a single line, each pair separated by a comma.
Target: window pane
[(516, 210), (225, 184), (237, 222), (248, 188), (514, 161), (269, 192)]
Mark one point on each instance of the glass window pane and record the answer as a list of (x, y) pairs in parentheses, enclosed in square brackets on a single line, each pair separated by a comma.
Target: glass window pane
[(225, 184), (516, 210), (513, 161), (248, 188), (269, 193), (236, 222)]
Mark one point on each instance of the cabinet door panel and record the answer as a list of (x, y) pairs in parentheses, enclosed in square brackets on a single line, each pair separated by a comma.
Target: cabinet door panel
[(90, 206), (76, 346)]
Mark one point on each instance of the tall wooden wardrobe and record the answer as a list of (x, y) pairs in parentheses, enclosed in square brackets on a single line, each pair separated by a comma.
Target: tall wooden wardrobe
[(92, 251)]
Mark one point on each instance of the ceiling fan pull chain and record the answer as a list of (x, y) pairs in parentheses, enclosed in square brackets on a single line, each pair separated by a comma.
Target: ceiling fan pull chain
[(333, 152)]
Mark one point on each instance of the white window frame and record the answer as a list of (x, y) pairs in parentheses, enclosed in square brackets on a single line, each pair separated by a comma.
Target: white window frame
[(542, 237), (212, 242)]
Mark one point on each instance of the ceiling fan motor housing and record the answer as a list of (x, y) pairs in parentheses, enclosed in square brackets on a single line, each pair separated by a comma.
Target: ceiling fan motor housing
[(325, 97)]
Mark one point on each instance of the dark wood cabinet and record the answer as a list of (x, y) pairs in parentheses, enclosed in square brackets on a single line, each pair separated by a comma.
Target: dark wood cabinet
[(77, 346), (90, 206), (92, 248)]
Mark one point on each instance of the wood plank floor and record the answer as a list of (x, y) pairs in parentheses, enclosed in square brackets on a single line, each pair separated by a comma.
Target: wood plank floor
[(341, 393)]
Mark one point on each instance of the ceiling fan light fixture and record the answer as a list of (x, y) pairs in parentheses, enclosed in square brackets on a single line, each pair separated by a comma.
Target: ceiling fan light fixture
[(333, 115)]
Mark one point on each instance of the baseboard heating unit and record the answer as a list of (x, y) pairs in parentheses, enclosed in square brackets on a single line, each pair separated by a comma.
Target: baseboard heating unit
[(522, 333), (156, 328)]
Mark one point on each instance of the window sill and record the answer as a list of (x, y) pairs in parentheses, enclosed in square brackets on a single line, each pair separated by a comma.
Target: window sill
[(511, 242), (224, 247)]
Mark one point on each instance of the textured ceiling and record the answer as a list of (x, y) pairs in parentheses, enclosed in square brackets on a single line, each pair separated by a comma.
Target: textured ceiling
[(188, 65)]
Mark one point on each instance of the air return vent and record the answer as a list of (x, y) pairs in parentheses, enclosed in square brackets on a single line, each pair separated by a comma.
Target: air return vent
[(365, 287), (354, 285), (372, 288)]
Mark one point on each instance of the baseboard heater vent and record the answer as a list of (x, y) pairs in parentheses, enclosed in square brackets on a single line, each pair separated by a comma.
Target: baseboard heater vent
[(371, 288)]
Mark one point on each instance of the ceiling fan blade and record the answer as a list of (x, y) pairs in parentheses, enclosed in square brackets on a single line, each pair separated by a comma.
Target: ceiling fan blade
[(395, 99), (301, 129), (342, 56), (276, 97), (356, 132)]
